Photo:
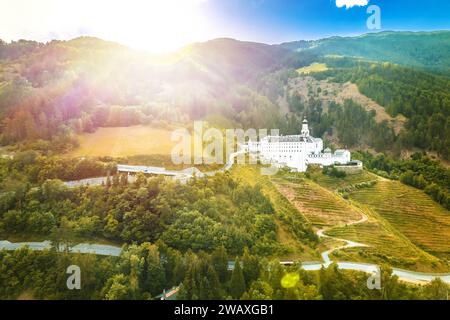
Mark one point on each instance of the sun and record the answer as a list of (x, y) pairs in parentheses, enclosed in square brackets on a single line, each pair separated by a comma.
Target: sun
[(153, 25)]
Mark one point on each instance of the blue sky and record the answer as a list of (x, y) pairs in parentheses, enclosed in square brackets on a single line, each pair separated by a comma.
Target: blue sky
[(166, 25), (276, 21)]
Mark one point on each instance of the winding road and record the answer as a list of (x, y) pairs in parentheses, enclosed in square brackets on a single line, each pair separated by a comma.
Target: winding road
[(97, 249), (183, 175), (348, 244), (404, 275)]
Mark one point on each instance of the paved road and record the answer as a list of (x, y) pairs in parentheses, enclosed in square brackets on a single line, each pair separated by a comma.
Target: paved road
[(104, 250), (97, 249), (183, 175), (405, 275)]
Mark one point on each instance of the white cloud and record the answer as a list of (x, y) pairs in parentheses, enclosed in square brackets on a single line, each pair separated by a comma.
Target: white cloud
[(351, 3)]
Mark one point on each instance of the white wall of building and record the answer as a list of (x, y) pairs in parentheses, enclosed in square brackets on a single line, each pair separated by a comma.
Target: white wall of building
[(297, 152)]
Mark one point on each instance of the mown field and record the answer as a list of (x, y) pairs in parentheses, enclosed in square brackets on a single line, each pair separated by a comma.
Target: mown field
[(315, 67), (124, 142), (137, 145)]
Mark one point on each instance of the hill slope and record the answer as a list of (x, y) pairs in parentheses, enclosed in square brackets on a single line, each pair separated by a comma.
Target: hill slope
[(427, 50), (391, 230), (87, 83)]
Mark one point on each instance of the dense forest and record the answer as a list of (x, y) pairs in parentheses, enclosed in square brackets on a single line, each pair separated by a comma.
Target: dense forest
[(196, 229), (350, 123), (423, 98), (186, 234), (144, 271), (55, 91), (236, 215), (419, 50)]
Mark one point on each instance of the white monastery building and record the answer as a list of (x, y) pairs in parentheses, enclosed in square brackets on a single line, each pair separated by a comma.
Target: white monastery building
[(297, 152)]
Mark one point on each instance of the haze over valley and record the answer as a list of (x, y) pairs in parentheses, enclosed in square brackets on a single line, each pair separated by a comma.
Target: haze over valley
[(88, 177)]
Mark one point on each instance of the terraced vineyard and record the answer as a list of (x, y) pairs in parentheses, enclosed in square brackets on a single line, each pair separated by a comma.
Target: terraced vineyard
[(322, 207), (404, 228), (411, 212), (385, 245), (333, 183), (318, 201)]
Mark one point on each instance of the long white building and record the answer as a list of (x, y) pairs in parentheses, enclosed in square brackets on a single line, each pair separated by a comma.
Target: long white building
[(299, 151)]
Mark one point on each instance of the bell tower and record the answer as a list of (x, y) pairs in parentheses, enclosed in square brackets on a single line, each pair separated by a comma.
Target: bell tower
[(305, 128)]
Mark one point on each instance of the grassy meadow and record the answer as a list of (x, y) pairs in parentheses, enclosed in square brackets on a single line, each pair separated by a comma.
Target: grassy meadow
[(313, 68), (136, 145), (124, 142)]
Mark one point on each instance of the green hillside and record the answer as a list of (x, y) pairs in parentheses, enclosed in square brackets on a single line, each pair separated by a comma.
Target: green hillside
[(411, 212), (294, 228), (390, 230), (88, 83), (405, 226), (321, 207), (425, 50)]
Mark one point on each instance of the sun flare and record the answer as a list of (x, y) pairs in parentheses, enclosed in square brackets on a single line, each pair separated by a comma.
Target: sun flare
[(153, 25)]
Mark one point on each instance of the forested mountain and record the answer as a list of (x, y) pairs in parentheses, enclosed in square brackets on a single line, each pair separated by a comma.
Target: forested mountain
[(53, 91), (238, 60), (423, 98), (425, 50), (186, 233), (86, 83)]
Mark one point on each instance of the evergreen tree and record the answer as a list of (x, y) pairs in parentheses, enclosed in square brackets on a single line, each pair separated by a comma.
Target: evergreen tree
[(116, 180), (259, 290), (237, 282), (251, 267), (219, 260), (124, 180)]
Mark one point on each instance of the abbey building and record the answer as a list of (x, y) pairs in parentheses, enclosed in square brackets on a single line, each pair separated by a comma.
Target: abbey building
[(299, 151)]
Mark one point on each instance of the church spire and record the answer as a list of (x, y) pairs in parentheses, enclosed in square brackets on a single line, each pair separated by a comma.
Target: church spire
[(305, 128)]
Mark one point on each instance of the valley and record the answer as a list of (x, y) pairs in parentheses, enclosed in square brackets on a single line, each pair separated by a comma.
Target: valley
[(335, 219), (69, 123)]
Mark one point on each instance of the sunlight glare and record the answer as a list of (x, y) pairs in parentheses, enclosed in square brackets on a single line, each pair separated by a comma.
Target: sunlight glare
[(153, 25)]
